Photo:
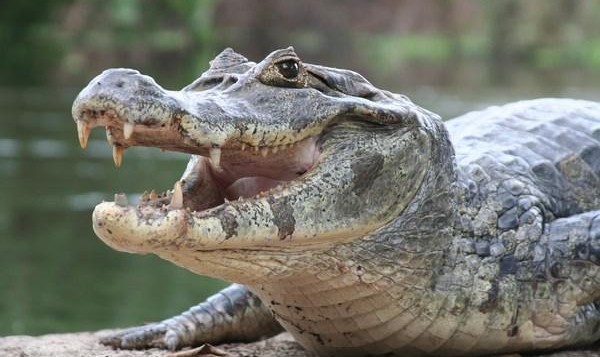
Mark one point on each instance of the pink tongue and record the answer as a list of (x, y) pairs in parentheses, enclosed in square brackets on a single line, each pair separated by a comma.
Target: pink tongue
[(250, 186)]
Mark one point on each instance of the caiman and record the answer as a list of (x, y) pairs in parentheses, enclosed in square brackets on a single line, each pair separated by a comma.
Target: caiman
[(354, 219)]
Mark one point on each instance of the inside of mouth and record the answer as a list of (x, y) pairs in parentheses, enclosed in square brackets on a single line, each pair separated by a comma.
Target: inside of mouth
[(231, 171), (238, 174)]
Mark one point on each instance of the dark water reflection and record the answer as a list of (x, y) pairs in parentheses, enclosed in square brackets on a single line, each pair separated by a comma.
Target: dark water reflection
[(55, 275)]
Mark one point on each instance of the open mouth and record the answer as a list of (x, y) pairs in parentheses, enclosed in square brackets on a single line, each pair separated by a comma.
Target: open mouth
[(285, 156), (214, 175)]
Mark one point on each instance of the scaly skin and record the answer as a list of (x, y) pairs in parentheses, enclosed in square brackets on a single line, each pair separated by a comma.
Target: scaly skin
[(384, 232)]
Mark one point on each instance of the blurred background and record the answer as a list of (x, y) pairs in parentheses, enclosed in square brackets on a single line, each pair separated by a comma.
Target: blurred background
[(56, 276)]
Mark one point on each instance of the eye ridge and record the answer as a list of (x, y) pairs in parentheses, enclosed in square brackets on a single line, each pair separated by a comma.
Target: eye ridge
[(288, 68)]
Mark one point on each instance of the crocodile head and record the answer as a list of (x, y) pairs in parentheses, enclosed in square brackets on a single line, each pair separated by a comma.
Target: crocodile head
[(287, 158)]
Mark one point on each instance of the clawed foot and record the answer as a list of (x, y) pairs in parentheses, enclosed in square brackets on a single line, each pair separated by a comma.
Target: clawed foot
[(152, 335), (205, 349)]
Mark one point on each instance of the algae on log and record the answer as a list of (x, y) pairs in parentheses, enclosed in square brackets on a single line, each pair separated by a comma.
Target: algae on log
[(85, 344)]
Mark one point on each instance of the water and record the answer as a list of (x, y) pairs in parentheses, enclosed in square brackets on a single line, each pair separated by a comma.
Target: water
[(55, 275)]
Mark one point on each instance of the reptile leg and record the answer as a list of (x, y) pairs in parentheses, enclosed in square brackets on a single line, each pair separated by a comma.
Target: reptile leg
[(233, 314), (567, 280), (569, 255)]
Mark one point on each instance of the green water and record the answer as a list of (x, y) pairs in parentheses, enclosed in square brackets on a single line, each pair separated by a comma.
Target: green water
[(55, 275)]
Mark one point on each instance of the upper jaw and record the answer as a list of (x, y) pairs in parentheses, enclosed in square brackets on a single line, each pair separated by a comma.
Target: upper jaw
[(138, 112), (134, 110)]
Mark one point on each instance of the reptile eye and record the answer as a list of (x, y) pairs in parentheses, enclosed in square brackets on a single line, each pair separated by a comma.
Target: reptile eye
[(289, 69)]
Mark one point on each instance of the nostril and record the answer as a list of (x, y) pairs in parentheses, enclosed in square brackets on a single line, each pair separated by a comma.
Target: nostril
[(230, 79), (120, 84), (144, 82)]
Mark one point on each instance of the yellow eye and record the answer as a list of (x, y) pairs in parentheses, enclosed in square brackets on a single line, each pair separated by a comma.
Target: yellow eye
[(289, 68)]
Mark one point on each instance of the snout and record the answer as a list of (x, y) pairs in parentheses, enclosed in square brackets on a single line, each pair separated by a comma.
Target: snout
[(116, 85)]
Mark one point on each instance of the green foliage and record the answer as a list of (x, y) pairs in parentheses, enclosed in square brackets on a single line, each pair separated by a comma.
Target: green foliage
[(591, 57), (585, 55), (198, 18), (28, 40), (66, 41), (388, 51)]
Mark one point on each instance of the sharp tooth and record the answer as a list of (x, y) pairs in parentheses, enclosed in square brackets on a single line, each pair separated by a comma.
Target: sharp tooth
[(144, 196), (83, 132), (127, 130), (118, 151), (177, 198), (153, 195), (215, 156), (275, 149), (109, 136), (243, 146), (121, 199), (264, 151), (255, 148)]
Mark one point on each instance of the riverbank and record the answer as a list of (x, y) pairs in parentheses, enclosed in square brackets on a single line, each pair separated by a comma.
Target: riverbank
[(85, 344)]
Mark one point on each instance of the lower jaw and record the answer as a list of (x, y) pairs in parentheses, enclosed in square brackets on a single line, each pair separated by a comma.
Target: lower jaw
[(161, 234), (244, 266)]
